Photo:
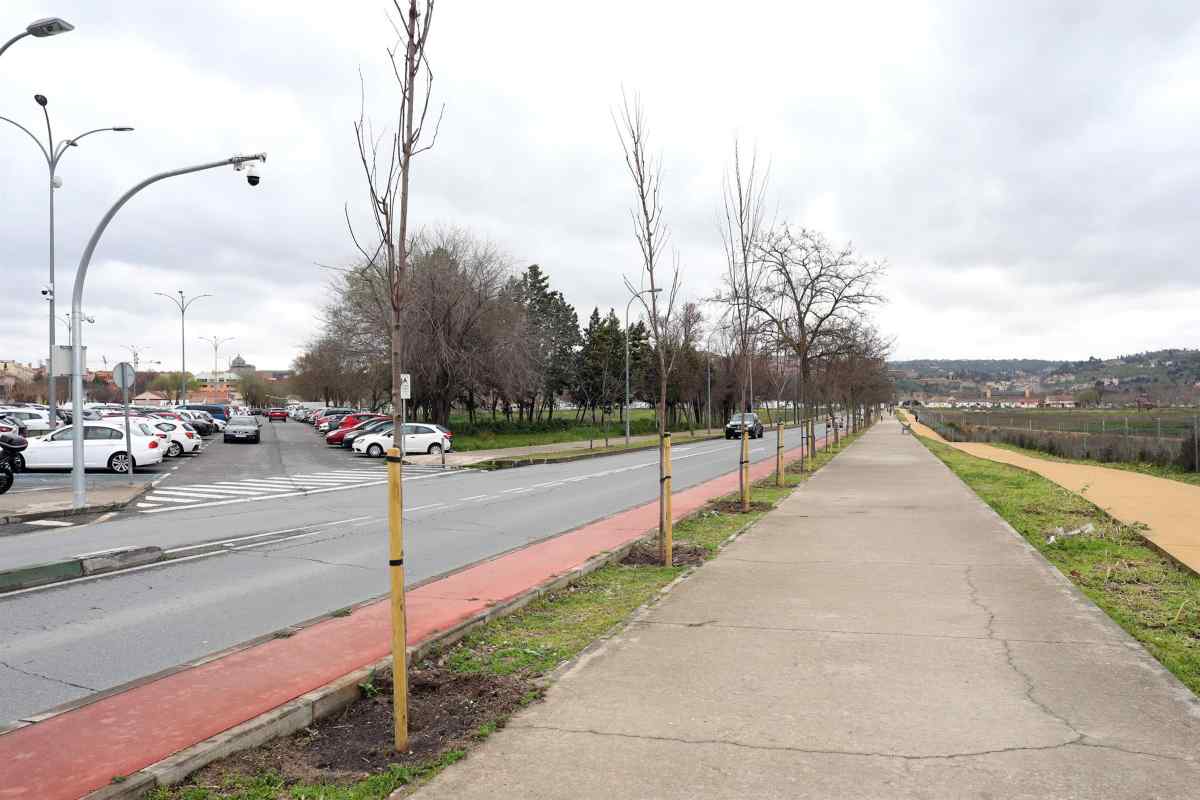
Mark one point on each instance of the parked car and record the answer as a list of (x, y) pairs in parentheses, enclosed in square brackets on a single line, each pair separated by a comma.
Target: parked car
[(330, 422), (243, 428), (380, 425), (104, 447), (34, 421), (418, 438), (319, 417), (748, 421), (346, 424), (11, 426), (183, 437), (274, 414)]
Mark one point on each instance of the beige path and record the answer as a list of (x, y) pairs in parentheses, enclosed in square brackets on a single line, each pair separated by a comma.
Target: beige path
[(1171, 509)]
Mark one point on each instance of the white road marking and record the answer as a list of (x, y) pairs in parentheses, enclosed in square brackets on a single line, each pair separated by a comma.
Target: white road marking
[(50, 523)]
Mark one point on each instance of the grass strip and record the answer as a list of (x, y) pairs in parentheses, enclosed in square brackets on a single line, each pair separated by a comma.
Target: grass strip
[(528, 644), (1153, 599)]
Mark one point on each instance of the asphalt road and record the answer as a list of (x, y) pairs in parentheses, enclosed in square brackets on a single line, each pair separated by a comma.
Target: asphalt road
[(324, 549)]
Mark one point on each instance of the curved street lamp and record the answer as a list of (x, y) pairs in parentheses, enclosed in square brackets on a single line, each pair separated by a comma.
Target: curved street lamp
[(183, 304), (53, 154), (78, 483), (41, 28)]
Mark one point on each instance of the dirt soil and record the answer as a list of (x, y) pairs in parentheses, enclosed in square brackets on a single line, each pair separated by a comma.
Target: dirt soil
[(683, 554), (445, 710), (735, 506)]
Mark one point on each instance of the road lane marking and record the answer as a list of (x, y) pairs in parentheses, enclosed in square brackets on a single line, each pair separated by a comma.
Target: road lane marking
[(49, 523)]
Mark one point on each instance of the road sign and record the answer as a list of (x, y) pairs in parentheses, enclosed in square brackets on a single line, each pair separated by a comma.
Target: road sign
[(124, 375), (61, 366), (405, 386)]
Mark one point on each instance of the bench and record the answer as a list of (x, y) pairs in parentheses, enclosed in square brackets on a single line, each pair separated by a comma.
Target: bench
[(905, 427)]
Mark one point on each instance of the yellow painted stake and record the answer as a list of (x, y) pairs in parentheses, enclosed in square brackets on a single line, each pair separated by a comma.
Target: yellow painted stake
[(745, 469), (399, 628), (664, 504), (779, 455)]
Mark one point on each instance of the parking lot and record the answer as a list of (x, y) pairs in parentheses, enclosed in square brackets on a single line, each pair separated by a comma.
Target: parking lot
[(286, 449)]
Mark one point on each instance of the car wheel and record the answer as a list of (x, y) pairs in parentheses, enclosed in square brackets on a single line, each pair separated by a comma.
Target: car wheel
[(175, 450), (375, 451), (435, 449), (257, 439), (17, 461), (120, 462)]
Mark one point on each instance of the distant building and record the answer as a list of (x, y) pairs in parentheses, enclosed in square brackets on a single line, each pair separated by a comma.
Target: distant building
[(240, 367), (1060, 401)]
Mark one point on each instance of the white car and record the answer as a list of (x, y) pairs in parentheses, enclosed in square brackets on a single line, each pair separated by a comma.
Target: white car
[(34, 421), (183, 437), (418, 438), (103, 447)]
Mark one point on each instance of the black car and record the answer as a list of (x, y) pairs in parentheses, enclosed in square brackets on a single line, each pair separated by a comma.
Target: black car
[(751, 422)]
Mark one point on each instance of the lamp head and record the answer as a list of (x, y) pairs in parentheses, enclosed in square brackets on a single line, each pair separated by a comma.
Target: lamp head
[(40, 99), (50, 26)]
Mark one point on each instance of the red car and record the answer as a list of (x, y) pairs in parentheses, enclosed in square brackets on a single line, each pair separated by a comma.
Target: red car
[(277, 413), (347, 424)]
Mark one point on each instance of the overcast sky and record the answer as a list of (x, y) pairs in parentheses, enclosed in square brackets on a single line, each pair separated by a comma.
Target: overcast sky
[(1029, 172)]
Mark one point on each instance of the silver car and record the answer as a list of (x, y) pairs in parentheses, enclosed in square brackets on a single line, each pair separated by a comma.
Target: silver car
[(243, 429)]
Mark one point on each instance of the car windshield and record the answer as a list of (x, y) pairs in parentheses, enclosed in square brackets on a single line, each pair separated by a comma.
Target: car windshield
[(242, 421), (742, 418)]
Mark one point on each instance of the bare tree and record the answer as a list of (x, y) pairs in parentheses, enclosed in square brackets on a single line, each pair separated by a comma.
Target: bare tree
[(743, 191), (388, 169), (656, 278), (811, 293)]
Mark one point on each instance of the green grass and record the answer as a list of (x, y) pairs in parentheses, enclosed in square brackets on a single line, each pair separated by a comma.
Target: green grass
[(1145, 592), (1172, 472), (531, 642)]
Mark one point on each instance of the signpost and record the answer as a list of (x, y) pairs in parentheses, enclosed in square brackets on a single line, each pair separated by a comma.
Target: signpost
[(405, 396), (125, 376)]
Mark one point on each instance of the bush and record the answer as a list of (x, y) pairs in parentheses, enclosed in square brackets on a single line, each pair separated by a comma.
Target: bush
[(1104, 447)]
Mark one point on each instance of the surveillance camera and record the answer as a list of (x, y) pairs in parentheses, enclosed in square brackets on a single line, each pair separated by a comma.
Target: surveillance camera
[(48, 291), (252, 176)]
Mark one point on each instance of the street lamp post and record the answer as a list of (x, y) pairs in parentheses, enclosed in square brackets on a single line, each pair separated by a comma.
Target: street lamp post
[(627, 305), (216, 342), (78, 487), (53, 154), (65, 319), (50, 26), (183, 304)]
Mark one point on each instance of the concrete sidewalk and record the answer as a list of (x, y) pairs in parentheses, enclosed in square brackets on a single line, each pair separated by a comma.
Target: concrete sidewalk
[(18, 506), (882, 634)]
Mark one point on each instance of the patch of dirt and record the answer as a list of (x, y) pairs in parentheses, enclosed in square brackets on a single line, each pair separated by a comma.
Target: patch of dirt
[(683, 554), (445, 710), (735, 506)]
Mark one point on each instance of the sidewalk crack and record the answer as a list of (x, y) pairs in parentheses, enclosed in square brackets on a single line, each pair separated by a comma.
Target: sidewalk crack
[(50, 678), (1010, 659), (1077, 740)]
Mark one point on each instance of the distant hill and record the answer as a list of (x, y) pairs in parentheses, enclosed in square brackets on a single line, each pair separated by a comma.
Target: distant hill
[(1167, 375)]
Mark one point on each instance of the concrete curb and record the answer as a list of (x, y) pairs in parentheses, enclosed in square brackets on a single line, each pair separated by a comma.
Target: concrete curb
[(29, 516), (99, 563)]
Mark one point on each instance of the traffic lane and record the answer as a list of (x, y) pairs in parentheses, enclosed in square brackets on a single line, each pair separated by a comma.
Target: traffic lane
[(179, 529), (94, 634), (214, 522)]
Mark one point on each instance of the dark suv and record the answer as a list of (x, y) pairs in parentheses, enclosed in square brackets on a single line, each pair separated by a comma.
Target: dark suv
[(750, 422)]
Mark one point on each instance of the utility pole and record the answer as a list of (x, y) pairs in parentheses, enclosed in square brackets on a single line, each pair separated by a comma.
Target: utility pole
[(183, 304)]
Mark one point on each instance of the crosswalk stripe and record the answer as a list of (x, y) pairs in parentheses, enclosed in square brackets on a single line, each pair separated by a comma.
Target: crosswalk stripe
[(217, 492)]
